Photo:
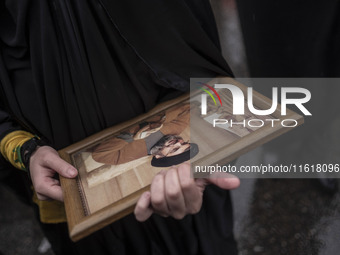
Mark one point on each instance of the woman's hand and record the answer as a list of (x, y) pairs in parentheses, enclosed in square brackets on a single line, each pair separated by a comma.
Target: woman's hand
[(175, 193), (45, 163)]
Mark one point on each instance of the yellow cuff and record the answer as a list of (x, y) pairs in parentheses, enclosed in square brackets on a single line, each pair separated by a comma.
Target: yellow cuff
[(50, 211), (10, 147)]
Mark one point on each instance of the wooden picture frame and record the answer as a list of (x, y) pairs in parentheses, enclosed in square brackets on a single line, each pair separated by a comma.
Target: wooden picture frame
[(91, 208)]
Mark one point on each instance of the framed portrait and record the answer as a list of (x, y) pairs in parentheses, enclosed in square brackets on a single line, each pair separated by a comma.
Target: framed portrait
[(118, 164)]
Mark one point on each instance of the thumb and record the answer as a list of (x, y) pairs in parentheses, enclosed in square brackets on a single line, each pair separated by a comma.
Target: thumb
[(225, 182), (54, 162)]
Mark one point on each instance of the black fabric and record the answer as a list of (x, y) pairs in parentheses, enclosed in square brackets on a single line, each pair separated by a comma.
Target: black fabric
[(291, 38), (208, 232), (298, 39), (70, 68)]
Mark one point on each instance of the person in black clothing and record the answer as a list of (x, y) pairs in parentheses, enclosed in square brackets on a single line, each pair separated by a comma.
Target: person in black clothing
[(69, 69)]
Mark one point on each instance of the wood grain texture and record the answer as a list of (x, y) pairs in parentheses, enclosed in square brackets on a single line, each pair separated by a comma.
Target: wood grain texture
[(90, 208)]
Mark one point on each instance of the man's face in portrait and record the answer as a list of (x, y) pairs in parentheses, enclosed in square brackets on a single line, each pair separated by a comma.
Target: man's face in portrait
[(170, 145), (173, 147)]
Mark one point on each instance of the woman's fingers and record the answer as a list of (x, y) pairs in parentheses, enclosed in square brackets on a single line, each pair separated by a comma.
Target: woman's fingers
[(175, 193), (143, 208), (192, 192), (44, 164), (157, 189)]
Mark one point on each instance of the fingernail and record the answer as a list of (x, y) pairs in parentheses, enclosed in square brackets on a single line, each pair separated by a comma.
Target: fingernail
[(147, 194), (72, 172)]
